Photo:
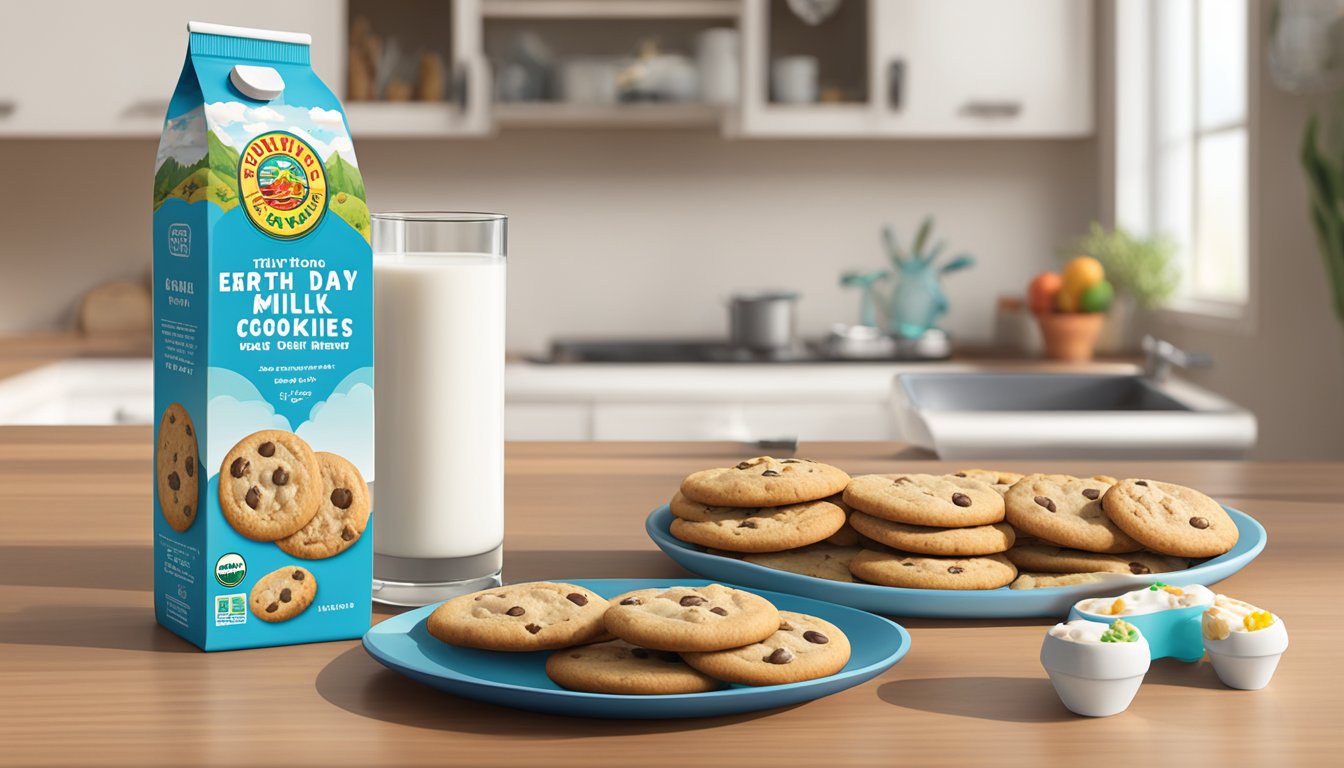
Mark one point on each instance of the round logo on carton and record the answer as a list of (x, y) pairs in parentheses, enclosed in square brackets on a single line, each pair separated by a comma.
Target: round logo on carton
[(282, 184), (230, 569)]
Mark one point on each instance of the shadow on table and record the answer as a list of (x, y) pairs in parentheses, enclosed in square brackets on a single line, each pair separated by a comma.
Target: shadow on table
[(118, 627), (1008, 699), (93, 567), (356, 683), (1184, 674), (535, 565)]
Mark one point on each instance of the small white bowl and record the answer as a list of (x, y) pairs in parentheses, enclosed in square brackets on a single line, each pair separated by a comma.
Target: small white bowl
[(1247, 660), (1095, 679)]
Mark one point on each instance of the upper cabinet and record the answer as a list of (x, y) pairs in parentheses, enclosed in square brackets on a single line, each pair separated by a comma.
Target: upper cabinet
[(98, 68), (471, 68), (919, 68)]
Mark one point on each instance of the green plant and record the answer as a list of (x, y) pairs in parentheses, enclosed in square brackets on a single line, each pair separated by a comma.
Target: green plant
[(1141, 267), (1326, 182)]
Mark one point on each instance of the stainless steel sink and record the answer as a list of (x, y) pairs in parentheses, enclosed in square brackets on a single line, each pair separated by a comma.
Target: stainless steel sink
[(1004, 415)]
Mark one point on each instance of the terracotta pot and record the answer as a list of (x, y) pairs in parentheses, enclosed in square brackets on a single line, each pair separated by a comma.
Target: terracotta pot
[(1071, 336)]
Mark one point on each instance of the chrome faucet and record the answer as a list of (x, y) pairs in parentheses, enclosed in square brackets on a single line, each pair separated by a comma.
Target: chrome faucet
[(1159, 356)]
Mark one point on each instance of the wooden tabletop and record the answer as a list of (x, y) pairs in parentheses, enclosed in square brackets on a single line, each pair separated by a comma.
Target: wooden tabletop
[(86, 677)]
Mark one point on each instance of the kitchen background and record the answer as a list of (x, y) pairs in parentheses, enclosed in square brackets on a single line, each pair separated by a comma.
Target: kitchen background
[(642, 228)]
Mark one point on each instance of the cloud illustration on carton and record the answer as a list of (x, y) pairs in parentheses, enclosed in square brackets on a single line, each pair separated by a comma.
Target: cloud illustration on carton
[(343, 423), (235, 412)]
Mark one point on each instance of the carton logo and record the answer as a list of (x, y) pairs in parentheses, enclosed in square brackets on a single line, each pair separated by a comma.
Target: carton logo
[(283, 185)]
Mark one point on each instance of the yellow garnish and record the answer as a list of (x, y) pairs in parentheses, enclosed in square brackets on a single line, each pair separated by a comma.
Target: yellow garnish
[(1118, 607), (1174, 590), (1257, 620)]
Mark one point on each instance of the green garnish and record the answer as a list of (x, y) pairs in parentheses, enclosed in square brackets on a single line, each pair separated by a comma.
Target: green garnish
[(1120, 632)]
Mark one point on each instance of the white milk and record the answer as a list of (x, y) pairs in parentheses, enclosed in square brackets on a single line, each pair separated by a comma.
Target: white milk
[(439, 417)]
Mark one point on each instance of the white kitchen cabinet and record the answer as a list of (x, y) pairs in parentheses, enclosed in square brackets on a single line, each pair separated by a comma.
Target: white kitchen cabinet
[(934, 68), (548, 421), (74, 68)]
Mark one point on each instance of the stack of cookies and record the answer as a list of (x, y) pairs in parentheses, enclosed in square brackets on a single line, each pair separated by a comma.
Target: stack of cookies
[(1074, 530), (973, 529), (931, 532), (651, 641)]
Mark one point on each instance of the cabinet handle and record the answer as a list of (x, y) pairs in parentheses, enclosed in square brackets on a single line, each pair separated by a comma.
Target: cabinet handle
[(991, 109), (895, 82), (780, 444), (147, 108), (7, 108)]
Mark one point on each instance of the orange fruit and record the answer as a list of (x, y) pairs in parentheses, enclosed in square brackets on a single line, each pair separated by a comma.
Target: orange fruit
[(1042, 290)]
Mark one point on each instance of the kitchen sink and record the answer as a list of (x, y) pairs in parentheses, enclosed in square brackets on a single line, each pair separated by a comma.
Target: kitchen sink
[(97, 391), (962, 416)]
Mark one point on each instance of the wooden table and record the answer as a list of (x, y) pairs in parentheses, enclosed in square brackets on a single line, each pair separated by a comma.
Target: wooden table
[(86, 677)]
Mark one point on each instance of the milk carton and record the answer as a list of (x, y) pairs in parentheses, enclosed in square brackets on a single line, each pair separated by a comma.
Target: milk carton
[(263, 352)]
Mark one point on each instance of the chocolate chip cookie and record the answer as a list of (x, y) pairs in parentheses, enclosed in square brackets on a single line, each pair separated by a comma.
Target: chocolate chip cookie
[(1051, 559), (822, 561), (270, 484), (764, 482), (619, 667), (283, 594), (900, 569), (1047, 580), (925, 540), (940, 501), (803, 648), (680, 619), (177, 467), (999, 480), (342, 512), (1066, 510), (1170, 518), (533, 616), (762, 529)]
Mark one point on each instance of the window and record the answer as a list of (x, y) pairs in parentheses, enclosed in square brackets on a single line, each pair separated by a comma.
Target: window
[(1183, 140)]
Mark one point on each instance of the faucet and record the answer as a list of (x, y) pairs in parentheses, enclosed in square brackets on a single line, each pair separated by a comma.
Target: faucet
[(1159, 356)]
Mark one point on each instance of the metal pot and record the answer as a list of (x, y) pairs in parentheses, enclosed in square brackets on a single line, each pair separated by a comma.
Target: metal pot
[(763, 322)]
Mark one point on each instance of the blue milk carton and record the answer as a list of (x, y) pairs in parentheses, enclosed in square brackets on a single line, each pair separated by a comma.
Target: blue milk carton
[(263, 352)]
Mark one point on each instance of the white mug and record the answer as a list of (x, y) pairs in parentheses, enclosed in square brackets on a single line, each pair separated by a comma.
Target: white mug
[(794, 79)]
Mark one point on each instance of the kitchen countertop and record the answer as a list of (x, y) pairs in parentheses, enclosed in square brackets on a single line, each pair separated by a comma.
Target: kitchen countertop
[(90, 679)]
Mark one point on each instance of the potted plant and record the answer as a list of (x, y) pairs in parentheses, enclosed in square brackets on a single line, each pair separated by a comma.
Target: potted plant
[(1070, 306), (1143, 272)]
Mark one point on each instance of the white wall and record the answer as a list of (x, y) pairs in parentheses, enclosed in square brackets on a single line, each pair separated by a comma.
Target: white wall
[(616, 233)]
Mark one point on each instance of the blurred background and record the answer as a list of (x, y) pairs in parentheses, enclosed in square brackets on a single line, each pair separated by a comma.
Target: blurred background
[(698, 192)]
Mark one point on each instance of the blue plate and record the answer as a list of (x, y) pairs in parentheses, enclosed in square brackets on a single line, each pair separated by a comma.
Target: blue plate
[(519, 680), (1001, 603)]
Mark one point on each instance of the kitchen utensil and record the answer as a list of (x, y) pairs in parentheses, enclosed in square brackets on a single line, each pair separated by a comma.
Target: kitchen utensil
[(941, 603), (763, 322), (718, 61), (794, 79), (519, 680)]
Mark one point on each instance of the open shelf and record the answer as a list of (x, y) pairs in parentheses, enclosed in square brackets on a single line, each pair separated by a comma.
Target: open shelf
[(557, 115), (610, 9)]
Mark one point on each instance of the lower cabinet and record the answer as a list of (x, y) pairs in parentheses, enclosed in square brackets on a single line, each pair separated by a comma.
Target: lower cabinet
[(741, 422)]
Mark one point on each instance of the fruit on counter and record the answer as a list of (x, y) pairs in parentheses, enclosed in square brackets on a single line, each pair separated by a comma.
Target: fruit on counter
[(1080, 274), (1096, 297), (1042, 292)]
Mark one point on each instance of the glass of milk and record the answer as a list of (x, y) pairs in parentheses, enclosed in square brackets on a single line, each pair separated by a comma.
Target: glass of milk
[(438, 485)]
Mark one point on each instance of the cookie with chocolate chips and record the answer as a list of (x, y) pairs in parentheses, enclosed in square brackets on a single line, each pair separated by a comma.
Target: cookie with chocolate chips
[(534, 616), (177, 468), (822, 561), (999, 480), (283, 594), (1170, 518), (619, 667), (681, 619), (926, 540), (939, 501), (270, 484), (803, 648), (1049, 558), (342, 512), (1066, 510), (764, 482), (903, 569), (762, 529)]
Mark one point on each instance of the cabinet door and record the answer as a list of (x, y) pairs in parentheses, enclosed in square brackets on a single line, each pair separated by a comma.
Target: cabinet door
[(986, 67), (98, 68)]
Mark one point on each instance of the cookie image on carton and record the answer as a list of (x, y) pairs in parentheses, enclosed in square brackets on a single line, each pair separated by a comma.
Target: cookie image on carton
[(283, 594), (269, 485), (176, 467), (342, 512)]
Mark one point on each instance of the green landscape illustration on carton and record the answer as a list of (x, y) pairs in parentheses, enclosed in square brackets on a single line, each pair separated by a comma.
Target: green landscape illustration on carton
[(214, 178)]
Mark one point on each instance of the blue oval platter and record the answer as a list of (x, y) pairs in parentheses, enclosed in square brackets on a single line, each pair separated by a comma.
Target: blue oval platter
[(519, 680)]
